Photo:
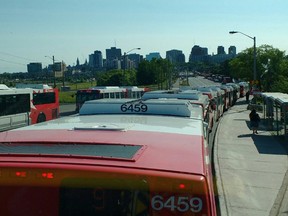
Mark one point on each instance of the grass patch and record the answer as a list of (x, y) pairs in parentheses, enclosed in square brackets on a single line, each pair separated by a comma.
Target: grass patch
[(67, 97)]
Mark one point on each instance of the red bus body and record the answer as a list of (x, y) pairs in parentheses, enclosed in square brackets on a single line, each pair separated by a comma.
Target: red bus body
[(46, 107), (106, 163)]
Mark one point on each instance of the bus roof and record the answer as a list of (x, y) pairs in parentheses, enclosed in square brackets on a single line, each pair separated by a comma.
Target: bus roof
[(3, 87), (33, 86), (103, 89), (164, 106), (186, 94), (132, 141), (193, 96), (16, 91)]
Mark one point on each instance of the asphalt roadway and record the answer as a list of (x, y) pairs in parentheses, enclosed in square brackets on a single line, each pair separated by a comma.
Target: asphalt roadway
[(250, 170), (67, 109)]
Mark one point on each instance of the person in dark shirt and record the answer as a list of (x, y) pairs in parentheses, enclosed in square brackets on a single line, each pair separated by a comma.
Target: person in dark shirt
[(254, 121), (247, 96)]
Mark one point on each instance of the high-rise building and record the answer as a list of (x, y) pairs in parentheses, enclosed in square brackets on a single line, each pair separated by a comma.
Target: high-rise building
[(221, 50), (113, 58), (155, 55), (113, 53), (232, 50), (133, 60), (175, 56), (199, 54), (198, 51), (34, 67), (96, 60)]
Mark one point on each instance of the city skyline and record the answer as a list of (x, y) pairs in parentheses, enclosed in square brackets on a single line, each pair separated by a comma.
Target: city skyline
[(74, 29), (96, 59)]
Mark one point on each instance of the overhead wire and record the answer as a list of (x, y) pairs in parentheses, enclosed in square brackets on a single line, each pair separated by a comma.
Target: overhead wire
[(12, 62), (15, 56)]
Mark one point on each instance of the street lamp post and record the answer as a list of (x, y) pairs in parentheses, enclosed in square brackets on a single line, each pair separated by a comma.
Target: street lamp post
[(124, 62), (254, 52), (53, 70)]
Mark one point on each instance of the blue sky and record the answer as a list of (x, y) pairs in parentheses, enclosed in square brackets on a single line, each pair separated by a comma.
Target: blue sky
[(71, 29)]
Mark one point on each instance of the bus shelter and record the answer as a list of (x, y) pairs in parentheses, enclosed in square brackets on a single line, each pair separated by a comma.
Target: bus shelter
[(275, 112), (258, 101), (281, 107)]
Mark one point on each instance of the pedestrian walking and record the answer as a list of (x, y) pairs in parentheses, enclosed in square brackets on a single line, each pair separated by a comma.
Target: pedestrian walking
[(247, 96), (254, 121)]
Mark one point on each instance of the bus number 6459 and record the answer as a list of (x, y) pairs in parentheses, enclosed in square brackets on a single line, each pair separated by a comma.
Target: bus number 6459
[(181, 203), (140, 107)]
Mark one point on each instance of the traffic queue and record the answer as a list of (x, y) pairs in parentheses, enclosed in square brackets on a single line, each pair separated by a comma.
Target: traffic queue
[(214, 99)]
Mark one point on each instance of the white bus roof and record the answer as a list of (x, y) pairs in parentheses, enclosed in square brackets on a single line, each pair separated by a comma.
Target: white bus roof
[(213, 92), (33, 86), (3, 87), (194, 96), (187, 94), (14, 91), (105, 87), (217, 89), (169, 107)]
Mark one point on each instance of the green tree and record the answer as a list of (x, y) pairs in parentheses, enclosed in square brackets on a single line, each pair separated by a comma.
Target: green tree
[(145, 74), (156, 71), (271, 66), (117, 78), (110, 78), (242, 66)]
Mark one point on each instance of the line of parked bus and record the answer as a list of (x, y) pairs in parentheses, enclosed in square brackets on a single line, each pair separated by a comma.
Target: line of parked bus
[(27, 104), (145, 156), (34, 103)]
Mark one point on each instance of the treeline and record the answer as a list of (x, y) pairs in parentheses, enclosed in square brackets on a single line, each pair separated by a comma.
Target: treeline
[(156, 72), (271, 68)]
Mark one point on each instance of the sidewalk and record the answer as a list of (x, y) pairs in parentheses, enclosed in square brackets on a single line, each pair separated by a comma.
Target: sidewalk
[(250, 169)]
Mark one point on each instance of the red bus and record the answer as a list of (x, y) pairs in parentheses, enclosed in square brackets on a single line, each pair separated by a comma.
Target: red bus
[(100, 92), (194, 96), (44, 102), (23, 106), (117, 157)]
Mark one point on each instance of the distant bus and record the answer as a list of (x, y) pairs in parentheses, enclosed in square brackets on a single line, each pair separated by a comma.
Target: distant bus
[(100, 92), (193, 96), (15, 107), (117, 157), (25, 105)]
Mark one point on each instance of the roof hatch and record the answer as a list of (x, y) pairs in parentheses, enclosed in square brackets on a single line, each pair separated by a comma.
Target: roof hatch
[(105, 151)]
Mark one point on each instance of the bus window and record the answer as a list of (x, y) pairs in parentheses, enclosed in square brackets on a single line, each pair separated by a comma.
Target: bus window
[(15, 104), (104, 197), (118, 95), (14, 110), (112, 95), (44, 98)]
